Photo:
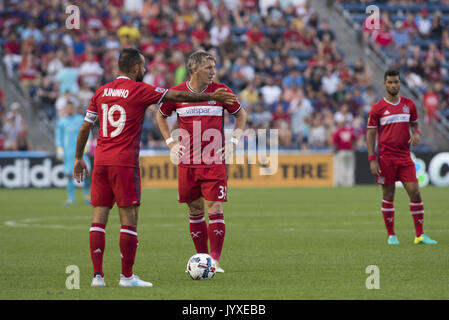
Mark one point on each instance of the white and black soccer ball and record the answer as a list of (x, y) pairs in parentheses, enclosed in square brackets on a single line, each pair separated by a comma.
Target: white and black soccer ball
[(201, 266)]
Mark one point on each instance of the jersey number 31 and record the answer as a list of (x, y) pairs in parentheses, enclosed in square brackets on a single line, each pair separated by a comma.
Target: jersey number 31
[(108, 117)]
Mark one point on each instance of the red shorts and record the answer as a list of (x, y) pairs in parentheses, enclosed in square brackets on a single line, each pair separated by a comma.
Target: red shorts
[(209, 183), (396, 170), (115, 184)]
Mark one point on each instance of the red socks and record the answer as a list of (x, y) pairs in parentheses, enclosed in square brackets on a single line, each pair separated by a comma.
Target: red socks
[(216, 232), (198, 232), (417, 211), (388, 214), (97, 243), (201, 233), (128, 248)]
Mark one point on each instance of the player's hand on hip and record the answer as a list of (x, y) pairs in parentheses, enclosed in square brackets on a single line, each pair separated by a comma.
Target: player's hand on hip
[(80, 170), (374, 167), (415, 139), (224, 96), (227, 151), (176, 152)]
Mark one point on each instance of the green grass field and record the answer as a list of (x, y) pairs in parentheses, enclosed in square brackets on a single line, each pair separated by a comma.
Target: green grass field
[(281, 243)]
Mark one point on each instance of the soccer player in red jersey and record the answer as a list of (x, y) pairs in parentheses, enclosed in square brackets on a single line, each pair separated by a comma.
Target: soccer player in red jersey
[(392, 118), (119, 107), (201, 157)]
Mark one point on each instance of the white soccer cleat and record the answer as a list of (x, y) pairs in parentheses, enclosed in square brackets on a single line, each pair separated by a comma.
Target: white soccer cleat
[(218, 269), (98, 281), (133, 281)]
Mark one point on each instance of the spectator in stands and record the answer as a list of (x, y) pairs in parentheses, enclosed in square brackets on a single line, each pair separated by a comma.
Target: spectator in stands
[(32, 32), (84, 96), (431, 100), (400, 36), (90, 72), (10, 133), (29, 76), (261, 118), (47, 95), (300, 109), (445, 39), (11, 61), (199, 34), (249, 96), (55, 64), (270, 92), (424, 23), (437, 26), (410, 26), (14, 124), (128, 33), (344, 115), (280, 114), (362, 74), (67, 78), (354, 106), (327, 50), (369, 98), (318, 135), (219, 32), (330, 81), (23, 141)]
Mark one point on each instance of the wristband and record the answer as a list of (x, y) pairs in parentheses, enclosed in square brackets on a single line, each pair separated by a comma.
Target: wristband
[(371, 158), (169, 140), (417, 131), (234, 140)]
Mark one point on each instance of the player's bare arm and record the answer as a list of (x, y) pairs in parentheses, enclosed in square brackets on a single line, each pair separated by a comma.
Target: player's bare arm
[(176, 150), (370, 145), (239, 126), (221, 95), (415, 138), (80, 167)]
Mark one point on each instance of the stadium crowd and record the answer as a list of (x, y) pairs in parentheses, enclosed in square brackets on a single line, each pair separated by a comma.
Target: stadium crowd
[(415, 37), (278, 55)]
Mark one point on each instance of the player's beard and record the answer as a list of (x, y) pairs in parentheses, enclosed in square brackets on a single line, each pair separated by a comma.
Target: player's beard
[(393, 93), (139, 77)]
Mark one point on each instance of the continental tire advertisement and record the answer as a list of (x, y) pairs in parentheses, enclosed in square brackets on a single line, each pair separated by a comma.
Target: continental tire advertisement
[(288, 171)]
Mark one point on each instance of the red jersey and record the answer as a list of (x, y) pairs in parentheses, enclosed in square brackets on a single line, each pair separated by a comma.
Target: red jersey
[(393, 126), (344, 138), (201, 126), (120, 108)]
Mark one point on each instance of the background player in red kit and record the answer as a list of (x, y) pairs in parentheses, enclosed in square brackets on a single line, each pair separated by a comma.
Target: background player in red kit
[(120, 107), (392, 118), (202, 176)]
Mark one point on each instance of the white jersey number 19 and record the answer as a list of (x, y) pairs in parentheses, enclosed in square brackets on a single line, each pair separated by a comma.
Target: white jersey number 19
[(108, 116)]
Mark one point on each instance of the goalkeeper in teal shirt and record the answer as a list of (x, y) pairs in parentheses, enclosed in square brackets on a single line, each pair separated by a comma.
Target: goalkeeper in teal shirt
[(67, 129)]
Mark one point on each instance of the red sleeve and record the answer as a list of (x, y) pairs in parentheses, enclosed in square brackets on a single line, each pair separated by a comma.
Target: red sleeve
[(150, 94), (167, 108), (373, 118), (413, 112), (232, 108)]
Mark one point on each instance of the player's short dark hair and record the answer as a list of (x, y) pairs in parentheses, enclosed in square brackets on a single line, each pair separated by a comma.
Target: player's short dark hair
[(128, 58), (391, 73)]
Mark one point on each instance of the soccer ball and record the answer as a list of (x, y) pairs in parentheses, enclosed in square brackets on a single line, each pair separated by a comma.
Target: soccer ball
[(201, 266)]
